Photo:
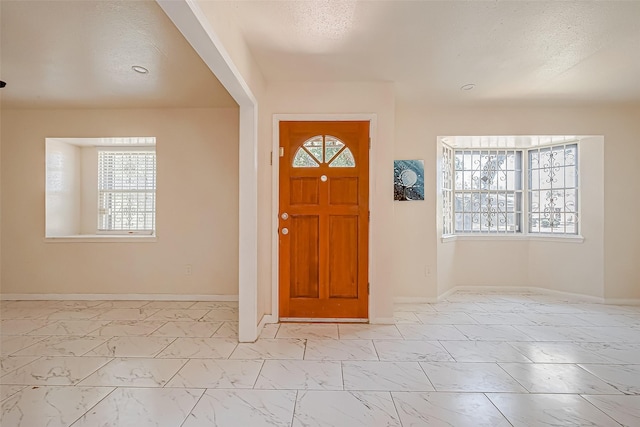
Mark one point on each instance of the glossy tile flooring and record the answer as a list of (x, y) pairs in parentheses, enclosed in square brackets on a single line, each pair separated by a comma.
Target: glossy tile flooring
[(472, 360)]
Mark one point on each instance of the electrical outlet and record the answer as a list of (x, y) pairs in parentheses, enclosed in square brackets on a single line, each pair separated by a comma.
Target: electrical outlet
[(188, 270)]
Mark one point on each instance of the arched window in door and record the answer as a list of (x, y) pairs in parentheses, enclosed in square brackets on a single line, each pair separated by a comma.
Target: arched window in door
[(323, 149)]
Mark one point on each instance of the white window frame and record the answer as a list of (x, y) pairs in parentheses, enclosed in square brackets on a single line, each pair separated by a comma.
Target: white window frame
[(127, 232), (576, 188), (448, 191), (489, 217)]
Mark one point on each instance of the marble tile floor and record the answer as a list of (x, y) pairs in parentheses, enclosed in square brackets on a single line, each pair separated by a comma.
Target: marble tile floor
[(475, 359)]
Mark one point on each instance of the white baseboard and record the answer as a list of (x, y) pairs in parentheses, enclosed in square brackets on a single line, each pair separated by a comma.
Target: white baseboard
[(116, 297), (382, 321), (266, 320), (581, 297), (523, 289), (446, 293), (414, 300), (517, 290), (493, 289), (622, 301)]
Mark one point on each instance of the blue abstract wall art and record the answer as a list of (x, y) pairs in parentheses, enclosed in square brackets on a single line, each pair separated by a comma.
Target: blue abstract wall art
[(408, 180)]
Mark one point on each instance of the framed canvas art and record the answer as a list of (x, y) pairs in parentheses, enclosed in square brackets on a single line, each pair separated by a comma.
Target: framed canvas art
[(408, 180)]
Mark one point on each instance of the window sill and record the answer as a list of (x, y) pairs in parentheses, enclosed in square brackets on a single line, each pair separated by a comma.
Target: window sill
[(101, 238), (514, 237)]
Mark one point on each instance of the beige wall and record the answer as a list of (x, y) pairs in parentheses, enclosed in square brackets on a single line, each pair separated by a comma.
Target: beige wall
[(416, 273), (558, 265), (89, 213), (202, 147), (490, 263), (63, 201), (197, 205), (418, 264), (1, 128), (342, 98), (571, 267), (621, 229), (197, 149), (254, 296), (604, 265)]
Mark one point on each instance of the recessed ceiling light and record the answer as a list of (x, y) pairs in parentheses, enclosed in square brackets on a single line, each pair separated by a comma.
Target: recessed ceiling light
[(140, 69), (468, 86)]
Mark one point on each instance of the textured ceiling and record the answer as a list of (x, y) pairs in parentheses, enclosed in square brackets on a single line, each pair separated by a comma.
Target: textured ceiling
[(513, 51), (79, 54)]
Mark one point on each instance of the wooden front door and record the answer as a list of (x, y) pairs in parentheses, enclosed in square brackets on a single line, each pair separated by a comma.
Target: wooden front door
[(324, 220)]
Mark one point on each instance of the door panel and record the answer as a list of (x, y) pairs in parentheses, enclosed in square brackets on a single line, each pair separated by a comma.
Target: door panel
[(343, 191), (304, 191), (324, 220), (343, 256), (305, 243)]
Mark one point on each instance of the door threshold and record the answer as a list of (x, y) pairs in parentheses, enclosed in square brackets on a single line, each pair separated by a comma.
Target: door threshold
[(322, 320)]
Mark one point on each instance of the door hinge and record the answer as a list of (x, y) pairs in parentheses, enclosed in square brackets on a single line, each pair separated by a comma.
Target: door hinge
[(368, 288), (369, 215), (271, 159), (281, 151)]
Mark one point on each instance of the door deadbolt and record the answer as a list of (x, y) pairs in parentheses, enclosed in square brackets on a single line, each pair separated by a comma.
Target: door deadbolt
[(285, 231)]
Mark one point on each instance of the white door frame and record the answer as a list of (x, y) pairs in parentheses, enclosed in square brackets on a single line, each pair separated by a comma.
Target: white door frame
[(275, 191)]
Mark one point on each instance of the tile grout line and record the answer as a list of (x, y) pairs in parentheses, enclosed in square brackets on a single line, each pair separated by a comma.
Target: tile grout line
[(111, 359), (157, 329), (427, 375), (187, 360), (204, 391), (97, 403), (93, 348), (514, 378), (216, 330), (497, 409), (582, 396), (155, 356), (632, 330), (258, 376), (295, 406), (395, 406)]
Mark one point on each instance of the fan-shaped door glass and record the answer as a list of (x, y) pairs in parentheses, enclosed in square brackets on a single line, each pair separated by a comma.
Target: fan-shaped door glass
[(323, 149)]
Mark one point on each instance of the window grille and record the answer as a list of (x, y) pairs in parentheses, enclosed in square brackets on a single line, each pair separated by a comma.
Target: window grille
[(553, 189), (487, 191), (126, 190), (447, 190), (483, 190)]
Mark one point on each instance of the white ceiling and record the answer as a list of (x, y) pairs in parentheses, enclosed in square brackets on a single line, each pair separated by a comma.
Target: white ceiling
[(513, 51), (80, 53)]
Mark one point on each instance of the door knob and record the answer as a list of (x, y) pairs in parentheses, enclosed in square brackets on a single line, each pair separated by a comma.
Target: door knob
[(285, 230)]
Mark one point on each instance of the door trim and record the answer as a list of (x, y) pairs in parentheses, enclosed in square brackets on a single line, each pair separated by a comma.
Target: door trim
[(275, 191)]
